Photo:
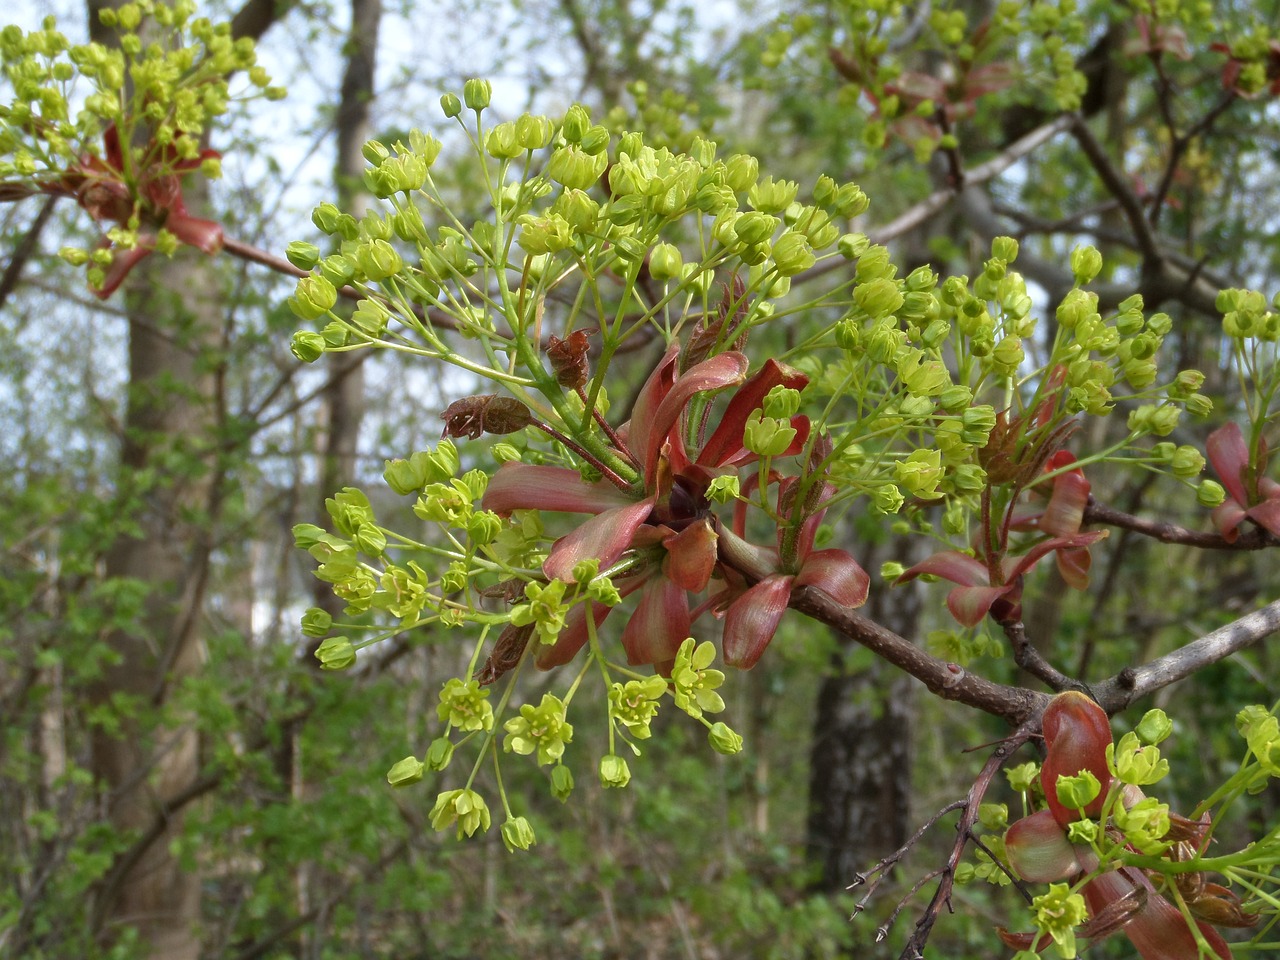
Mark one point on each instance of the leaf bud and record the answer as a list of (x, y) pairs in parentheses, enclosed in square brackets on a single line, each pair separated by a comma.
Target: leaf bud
[(1210, 493), (723, 739), (1086, 263), (407, 771), (517, 834), (336, 653), (476, 94), (316, 622), (792, 254)]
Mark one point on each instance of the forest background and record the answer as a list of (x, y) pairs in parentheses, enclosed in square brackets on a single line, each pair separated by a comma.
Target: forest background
[(180, 780)]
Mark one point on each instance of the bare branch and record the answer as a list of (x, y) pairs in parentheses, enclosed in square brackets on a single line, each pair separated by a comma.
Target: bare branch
[(1255, 539), (1133, 683)]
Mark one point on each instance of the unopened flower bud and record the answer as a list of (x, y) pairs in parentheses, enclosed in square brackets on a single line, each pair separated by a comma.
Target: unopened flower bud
[(336, 653), (723, 739), (450, 105), (561, 782), (302, 255), (792, 254), (887, 499), (1004, 249), (851, 201), (375, 151), (1199, 405), (770, 196), (307, 346), (314, 297), (534, 133), (476, 94), (438, 754), (665, 263), (325, 217), (1086, 264), (741, 172), (879, 298), (379, 260), (614, 771), (407, 771), (502, 143), (1210, 493), (575, 168), (1187, 462), (316, 622), (852, 245), (517, 834)]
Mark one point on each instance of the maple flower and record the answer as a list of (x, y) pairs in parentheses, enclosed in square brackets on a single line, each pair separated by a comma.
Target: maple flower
[(1252, 498), (153, 195), (1077, 738), (664, 520)]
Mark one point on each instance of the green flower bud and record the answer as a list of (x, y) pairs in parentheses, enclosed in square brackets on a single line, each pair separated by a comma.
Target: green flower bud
[(978, 422), (314, 297), (614, 771), (723, 489), (741, 172), (879, 298), (337, 269), (1004, 249), (407, 771), (375, 152), (1199, 405), (1086, 264), (576, 169), (1186, 383), (968, 478), (665, 263), (724, 740), (302, 255), (336, 653), (792, 254), (1083, 831), (578, 210), (466, 808), (852, 245), (1187, 462), (316, 622), (955, 398), (450, 105), (1210, 493), (767, 436), (1154, 727), (751, 228), (769, 196), (1007, 356), (874, 264), (891, 570), (1079, 791), (782, 402), (307, 346), (1023, 776), (848, 335), (534, 133), (851, 201), (379, 260), (596, 140), (824, 191), (1145, 824), (887, 499), (476, 94), (561, 782), (920, 473), (502, 143), (326, 217), (576, 123), (438, 754), (517, 834)]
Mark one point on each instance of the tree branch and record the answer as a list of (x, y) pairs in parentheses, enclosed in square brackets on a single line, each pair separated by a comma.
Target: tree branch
[(1133, 683), (949, 681), (1254, 539)]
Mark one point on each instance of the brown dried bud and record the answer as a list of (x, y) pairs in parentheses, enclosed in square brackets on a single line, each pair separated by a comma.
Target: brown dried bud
[(705, 336), (569, 358), (488, 413), (505, 655)]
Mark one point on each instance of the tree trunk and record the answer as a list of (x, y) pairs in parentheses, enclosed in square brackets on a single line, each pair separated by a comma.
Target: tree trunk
[(860, 758)]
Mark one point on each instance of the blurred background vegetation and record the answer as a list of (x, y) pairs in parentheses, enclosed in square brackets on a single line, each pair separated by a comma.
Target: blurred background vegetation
[(178, 780)]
